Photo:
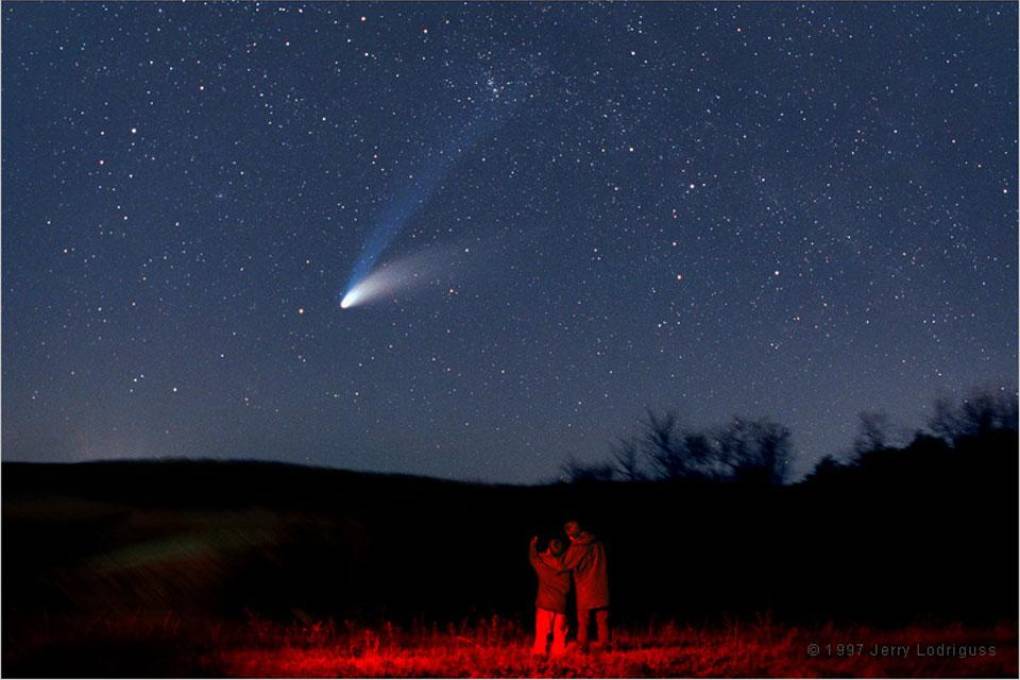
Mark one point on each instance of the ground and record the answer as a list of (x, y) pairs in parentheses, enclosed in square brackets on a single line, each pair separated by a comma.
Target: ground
[(497, 647)]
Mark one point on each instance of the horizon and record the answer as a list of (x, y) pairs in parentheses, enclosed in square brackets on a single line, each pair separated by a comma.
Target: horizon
[(900, 439)]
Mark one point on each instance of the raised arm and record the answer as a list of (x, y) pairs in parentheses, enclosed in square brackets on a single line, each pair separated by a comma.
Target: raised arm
[(533, 555)]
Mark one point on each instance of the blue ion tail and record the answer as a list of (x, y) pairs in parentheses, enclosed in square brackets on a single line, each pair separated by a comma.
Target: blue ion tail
[(416, 195)]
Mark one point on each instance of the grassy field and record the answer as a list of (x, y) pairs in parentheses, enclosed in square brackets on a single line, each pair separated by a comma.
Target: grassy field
[(172, 646), (496, 649), (183, 569)]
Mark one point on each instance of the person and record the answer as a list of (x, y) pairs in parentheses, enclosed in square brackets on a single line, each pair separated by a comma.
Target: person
[(586, 558), (551, 601)]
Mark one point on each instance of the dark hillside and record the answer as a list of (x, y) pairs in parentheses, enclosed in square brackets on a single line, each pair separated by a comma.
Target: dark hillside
[(927, 532)]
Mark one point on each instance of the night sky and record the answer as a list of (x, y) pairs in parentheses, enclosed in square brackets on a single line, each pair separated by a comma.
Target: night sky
[(579, 211)]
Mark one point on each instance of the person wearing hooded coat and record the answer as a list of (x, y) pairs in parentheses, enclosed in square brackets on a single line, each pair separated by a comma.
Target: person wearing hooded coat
[(551, 602), (586, 558)]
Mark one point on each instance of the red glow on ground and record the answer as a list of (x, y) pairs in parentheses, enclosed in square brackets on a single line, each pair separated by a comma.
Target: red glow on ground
[(763, 650), (146, 645)]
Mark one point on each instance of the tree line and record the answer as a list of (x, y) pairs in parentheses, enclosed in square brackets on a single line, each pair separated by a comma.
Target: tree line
[(761, 451)]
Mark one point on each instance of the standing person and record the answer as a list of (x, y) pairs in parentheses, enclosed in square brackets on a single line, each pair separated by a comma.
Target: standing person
[(586, 557), (551, 602)]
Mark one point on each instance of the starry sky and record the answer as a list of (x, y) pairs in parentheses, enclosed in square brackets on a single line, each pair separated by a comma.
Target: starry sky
[(793, 211)]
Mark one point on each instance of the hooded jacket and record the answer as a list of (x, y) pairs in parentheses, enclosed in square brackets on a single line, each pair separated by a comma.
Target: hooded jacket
[(586, 556), (553, 581)]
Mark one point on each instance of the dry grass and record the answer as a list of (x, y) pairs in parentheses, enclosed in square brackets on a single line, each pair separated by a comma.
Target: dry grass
[(498, 649), (182, 646)]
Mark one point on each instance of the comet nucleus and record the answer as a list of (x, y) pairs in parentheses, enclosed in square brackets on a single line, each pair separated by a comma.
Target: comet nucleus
[(404, 275)]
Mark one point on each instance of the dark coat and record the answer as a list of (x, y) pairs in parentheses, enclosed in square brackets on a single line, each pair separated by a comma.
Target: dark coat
[(553, 581), (586, 557)]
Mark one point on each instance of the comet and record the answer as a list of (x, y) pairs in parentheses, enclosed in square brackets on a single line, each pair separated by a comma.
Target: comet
[(365, 282), (405, 275)]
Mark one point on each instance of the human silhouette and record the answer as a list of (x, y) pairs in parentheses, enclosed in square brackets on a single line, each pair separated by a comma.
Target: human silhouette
[(586, 559), (551, 601)]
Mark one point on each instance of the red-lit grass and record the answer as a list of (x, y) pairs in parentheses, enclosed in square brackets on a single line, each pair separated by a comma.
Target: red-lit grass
[(499, 649), (173, 645)]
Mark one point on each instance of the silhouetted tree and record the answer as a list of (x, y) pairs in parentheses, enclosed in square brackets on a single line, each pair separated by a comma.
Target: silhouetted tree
[(943, 423), (981, 412), (744, 449), (826, 468), (628, 462), (757, 450), (574, 471), (675, 453), (984, 411), (761, 450), (662, 442), (872, 431)]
